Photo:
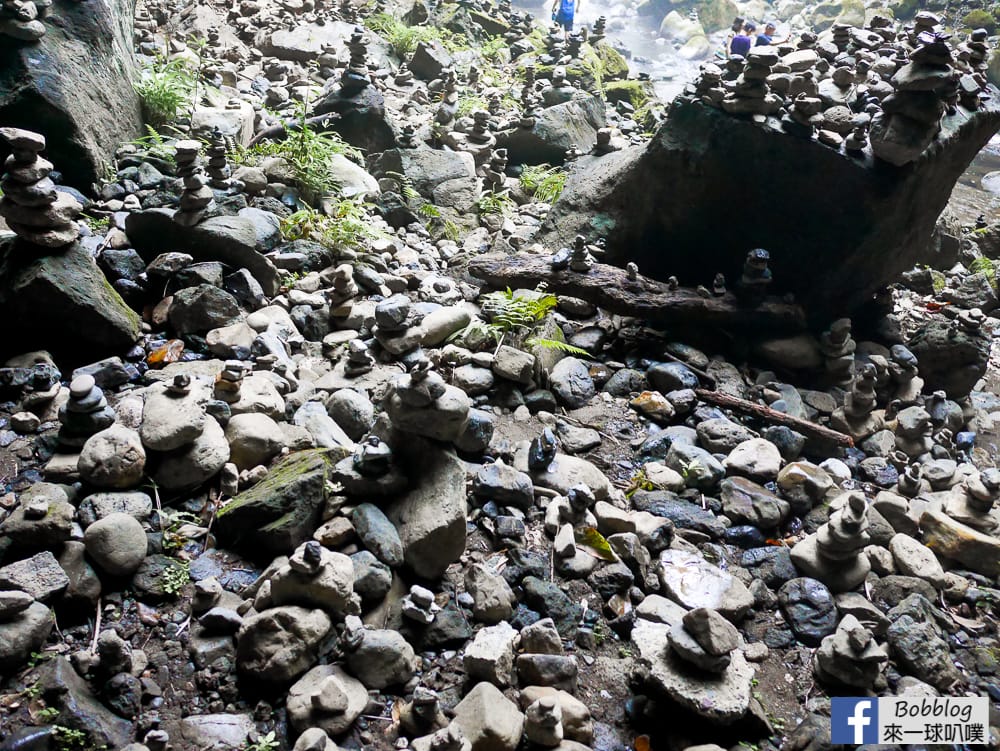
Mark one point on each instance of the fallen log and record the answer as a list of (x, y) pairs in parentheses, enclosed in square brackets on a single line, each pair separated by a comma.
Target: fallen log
[(610, 288), (805, 427)]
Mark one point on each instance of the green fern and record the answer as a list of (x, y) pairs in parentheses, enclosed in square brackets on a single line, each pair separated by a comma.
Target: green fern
[(985, 266), (496, 203), (163, 87), (557, 345), (543, 182)]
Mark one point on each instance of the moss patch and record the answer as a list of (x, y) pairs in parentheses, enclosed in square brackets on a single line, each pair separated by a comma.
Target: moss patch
[(636, 93), (980, 19), (716, 14)]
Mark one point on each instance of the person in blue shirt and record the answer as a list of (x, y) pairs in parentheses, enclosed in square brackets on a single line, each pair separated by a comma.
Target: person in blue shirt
[(742, 42), (563, 12), (767, 37)]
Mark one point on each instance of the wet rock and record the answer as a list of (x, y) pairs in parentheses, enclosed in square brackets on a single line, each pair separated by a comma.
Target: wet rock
[(64, 690), (378, 534), (22, 631), (917, 643), (746, 502), (690, 580), (952, 539), (570, 381)]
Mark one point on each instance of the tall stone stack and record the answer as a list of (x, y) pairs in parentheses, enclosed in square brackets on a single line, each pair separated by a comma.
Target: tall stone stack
[(197, 196), (750, 94), (31, 205), (20, 19), (910, 117)]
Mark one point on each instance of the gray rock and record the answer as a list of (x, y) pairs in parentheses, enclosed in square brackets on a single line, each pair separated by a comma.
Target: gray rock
[(671, 376), (514, 365), (570, 381), (557, 671), (189, 467), (327, 698), (383, 658), (698, 467), (916, 559), (917, 643), (216, 731), (64, 690), (325, 431), (171, 422), (746, 502), (490, 656), (809, 609), (504, 485), (720, 435), (22, 631), (758, 459), (116, 543), (254, 439), (113, 458), (714, 634), (196, 310), (372, 578), (431, 518), (489, 720), (492, 598), (40, 576), (378, 534), (722, 698), (99, 505), (690, 580), (281, 643), (353, 411)]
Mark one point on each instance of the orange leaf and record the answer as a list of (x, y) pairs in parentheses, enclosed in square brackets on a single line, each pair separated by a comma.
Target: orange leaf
[(641, 743)]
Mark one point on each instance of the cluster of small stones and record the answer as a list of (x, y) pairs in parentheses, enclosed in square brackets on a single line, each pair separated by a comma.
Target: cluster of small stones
[(882, 89), (350, 434)]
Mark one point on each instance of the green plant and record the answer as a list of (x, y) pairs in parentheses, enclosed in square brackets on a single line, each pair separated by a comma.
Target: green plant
[(492, 49), (496, 203), (470, 103), (163, 87), (266, 742), (543, 182), (688, 469), (638, 482), (99, 225), (404, 38), (174, 577), (155, 145), (68, 739), (624, 652), (435, 219), (516, 316), (980, 19), (985, 266), (47, 715), (33, 691), (172, 540), (37, 658), (345, 226), (308, 152)]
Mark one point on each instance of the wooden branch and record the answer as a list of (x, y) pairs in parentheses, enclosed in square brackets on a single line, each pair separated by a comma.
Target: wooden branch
[(610, 288), (772, 415)]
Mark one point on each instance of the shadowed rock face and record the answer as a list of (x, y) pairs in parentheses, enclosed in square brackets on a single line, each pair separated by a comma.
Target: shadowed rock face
[(710, 186), (75, 85)]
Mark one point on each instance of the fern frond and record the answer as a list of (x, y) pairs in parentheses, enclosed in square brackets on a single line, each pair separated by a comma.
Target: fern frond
[(557, 345)]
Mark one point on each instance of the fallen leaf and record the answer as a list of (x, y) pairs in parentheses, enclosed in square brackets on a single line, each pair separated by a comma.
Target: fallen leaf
[(593, 543), (969, 624), (641, 743)]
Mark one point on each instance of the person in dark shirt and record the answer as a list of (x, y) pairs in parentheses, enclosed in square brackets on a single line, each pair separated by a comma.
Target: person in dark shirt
[(741, 43), (767, 37)]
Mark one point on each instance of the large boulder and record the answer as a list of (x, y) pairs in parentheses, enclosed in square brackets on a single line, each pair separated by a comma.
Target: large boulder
[(64, 301), (75, 85), (230, 239), (670, 190), (445, 178), (282, 511), (556, 129)]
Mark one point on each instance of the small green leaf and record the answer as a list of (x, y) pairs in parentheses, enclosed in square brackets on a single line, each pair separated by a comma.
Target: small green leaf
[(593, 543)]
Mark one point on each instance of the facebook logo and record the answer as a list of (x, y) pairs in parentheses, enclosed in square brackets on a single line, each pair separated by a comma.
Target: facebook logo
[(854, 720)]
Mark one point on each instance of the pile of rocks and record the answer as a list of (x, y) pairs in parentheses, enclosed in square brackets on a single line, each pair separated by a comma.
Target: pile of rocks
[(30, 204)]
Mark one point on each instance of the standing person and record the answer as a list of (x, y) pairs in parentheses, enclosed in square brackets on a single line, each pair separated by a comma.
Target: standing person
[(767, 37), (563, 12), (742, 42), (734, 29)]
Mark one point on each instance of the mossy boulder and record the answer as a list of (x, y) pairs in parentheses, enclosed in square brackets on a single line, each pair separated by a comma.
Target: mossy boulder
[(282, 511), (980, 19), (613, 65), (636, 93)]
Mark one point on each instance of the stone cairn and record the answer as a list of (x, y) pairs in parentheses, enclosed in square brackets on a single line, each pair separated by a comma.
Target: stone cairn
[(913, 429), (858, 416), (835, 553), (838, 349), (904, 370), (355, 76), (87, 412), (218, 169), (21, 19), (708, 86), (749, 94), (912, 114), (543, 722), (197, 197), (972, 501), (600, 26), (396, 325), (494, 173), (31, 205), (359, 359), (850, 656), (229, 381), (755, 279), (705, 640)]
